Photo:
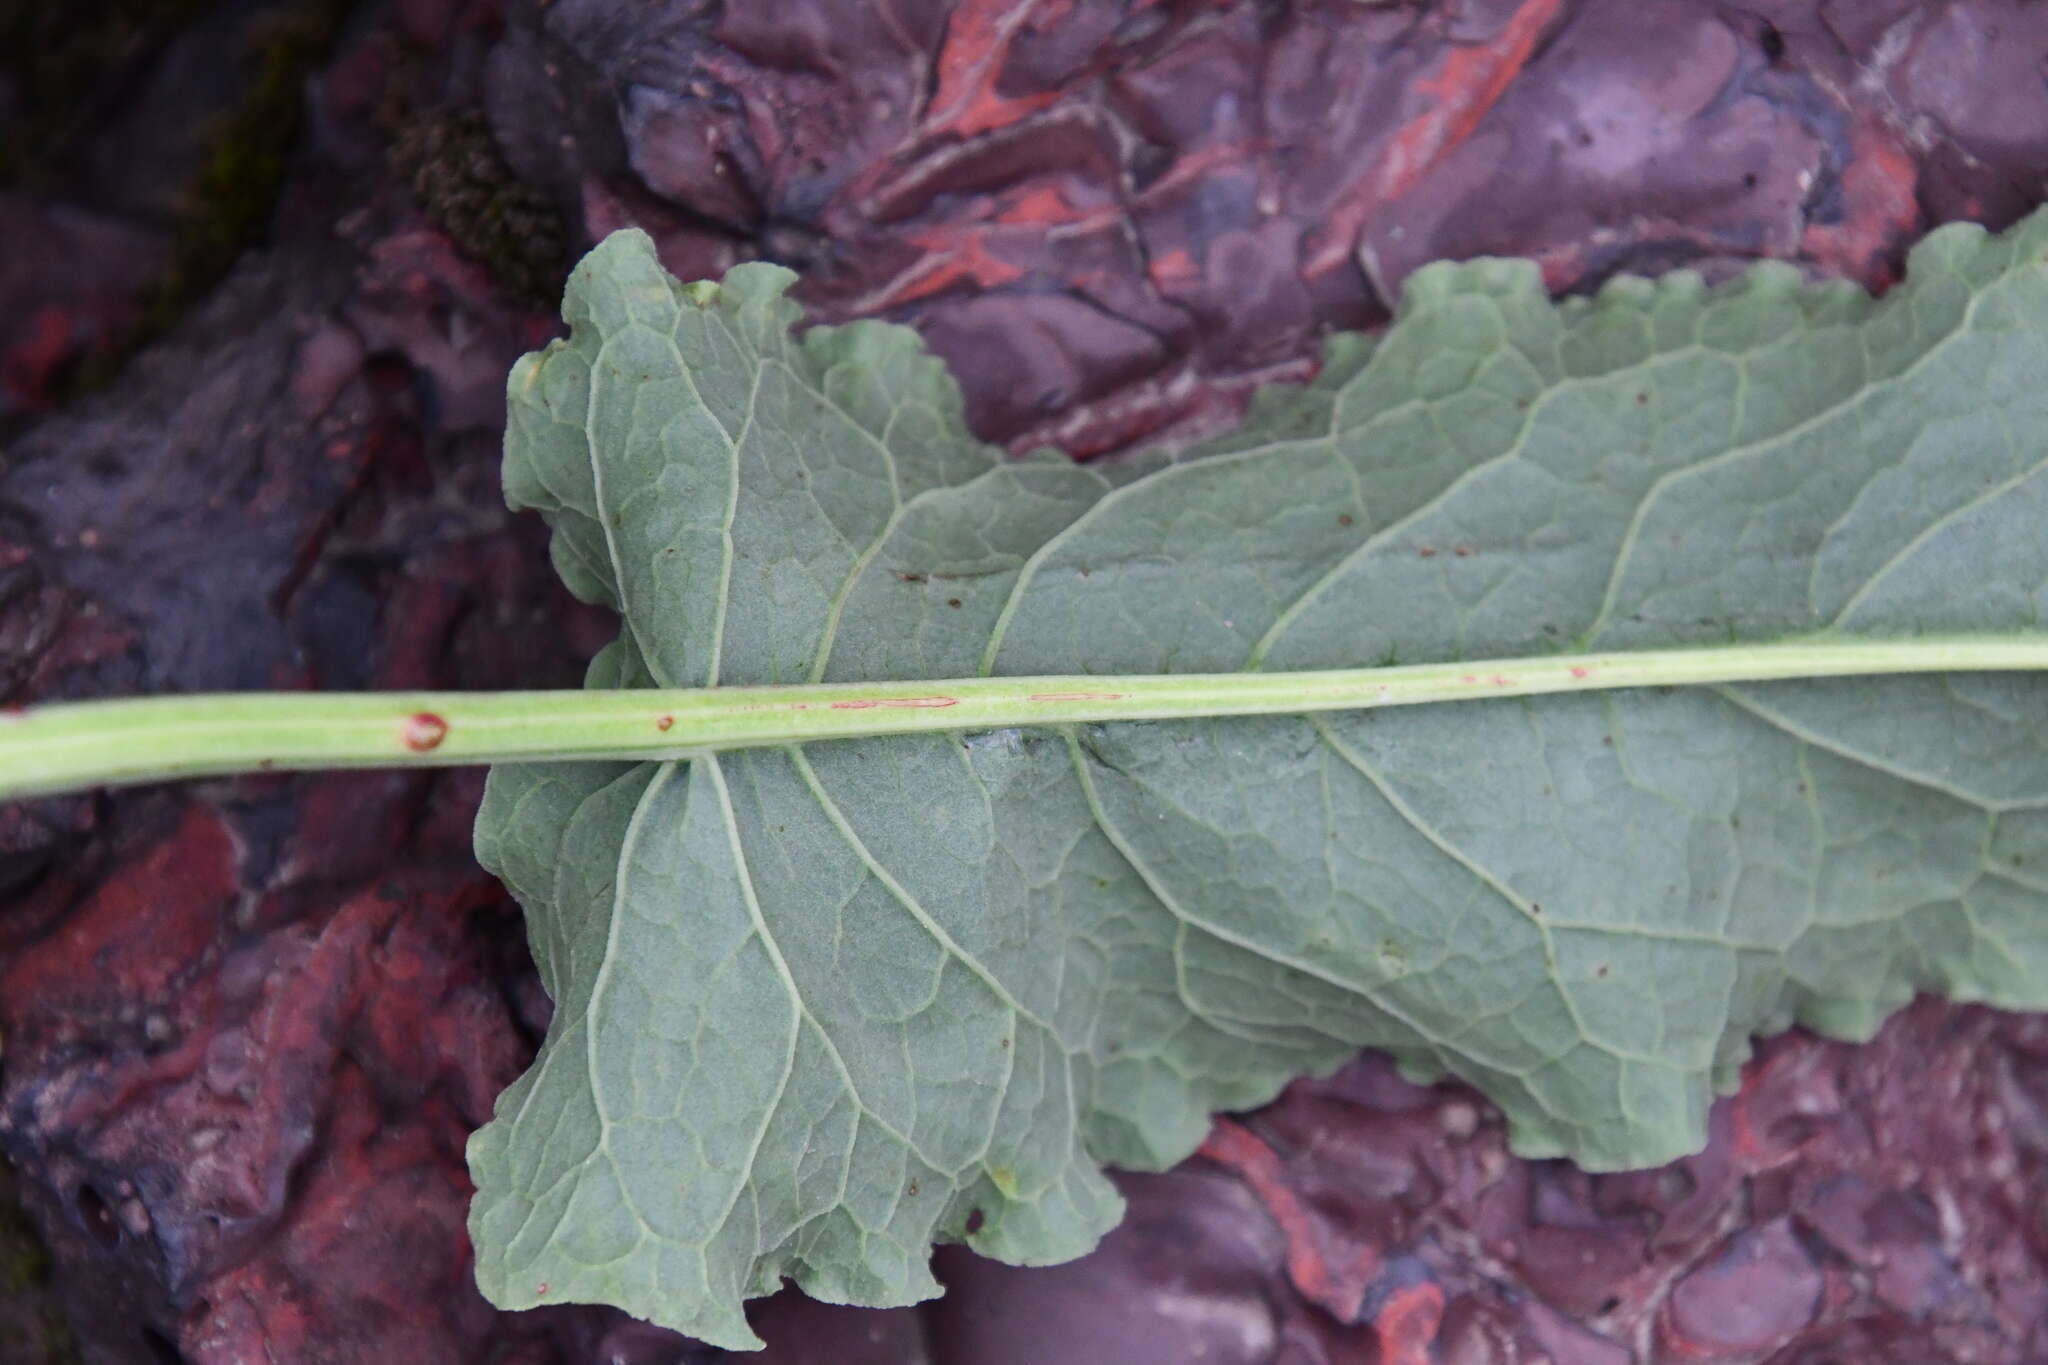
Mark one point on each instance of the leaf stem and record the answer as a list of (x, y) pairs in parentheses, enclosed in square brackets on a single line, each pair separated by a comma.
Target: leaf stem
[(65, 746)]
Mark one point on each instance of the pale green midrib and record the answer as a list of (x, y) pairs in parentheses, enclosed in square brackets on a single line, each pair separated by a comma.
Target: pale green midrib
[(79, 744)]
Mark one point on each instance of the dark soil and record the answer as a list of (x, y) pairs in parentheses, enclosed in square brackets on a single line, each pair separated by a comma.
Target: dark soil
[(262, 270)]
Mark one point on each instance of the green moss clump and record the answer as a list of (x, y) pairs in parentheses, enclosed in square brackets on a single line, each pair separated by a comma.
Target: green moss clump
[(463, 184)]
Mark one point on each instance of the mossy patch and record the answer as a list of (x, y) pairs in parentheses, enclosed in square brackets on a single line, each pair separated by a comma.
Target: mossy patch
[(463, 184)]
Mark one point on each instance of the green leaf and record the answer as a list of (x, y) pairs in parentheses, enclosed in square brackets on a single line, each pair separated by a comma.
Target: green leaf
[(820, 1006)]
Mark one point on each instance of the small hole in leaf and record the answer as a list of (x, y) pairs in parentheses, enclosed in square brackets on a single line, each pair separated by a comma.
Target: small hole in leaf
[(974, 1221)]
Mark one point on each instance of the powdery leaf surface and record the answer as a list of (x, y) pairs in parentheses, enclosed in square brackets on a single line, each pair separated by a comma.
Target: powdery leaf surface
[(821, 1006)]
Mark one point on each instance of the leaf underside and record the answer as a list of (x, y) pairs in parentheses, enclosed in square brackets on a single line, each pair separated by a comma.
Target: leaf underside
[(821, 1006)]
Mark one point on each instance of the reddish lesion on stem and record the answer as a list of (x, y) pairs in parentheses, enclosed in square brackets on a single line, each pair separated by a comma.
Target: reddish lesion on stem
[(867, 703), (424, 731)]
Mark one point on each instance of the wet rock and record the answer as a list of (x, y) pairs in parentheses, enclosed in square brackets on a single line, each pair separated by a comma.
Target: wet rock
[(1750, 1298), (71, 289), (1235, 186), (1967, 78)]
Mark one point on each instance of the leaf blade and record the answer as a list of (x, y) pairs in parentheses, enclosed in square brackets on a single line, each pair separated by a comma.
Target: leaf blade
[(1011, 956)]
